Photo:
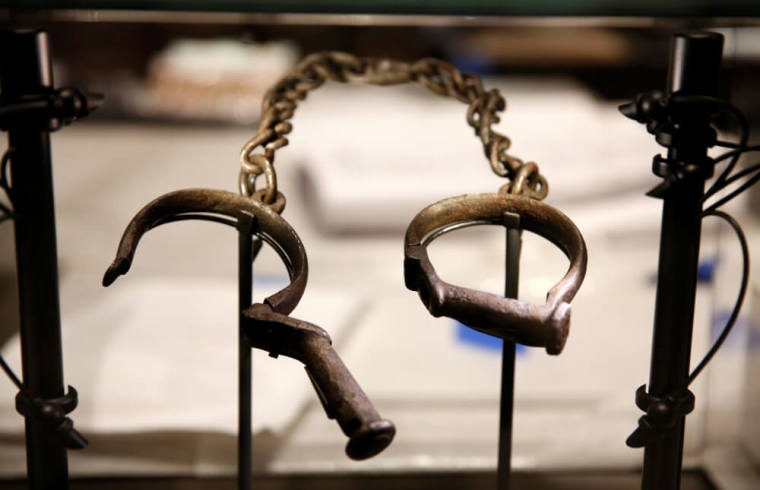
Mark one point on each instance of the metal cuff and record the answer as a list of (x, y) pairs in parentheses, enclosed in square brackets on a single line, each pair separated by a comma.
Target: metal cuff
[(544, 325), (210, 204)]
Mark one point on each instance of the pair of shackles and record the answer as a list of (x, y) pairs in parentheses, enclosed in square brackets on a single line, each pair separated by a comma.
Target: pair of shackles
[(268, 324)]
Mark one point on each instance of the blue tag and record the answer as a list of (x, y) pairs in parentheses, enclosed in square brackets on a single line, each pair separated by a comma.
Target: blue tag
[(466, 335)]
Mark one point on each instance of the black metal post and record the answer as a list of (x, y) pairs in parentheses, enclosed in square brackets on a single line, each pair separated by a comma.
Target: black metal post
[(506, 406), (25, 71), (694, 67), (245, 287)]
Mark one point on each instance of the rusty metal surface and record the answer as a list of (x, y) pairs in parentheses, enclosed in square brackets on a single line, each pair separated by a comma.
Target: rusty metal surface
[(268, 326), (544, 325), (269, 225), (341, 396), (442, 78)]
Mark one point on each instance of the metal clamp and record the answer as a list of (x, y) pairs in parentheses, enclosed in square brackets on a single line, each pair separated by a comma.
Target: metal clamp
[(53, 412), (340, 394), (662, 414), (544, 325), (50, 108)]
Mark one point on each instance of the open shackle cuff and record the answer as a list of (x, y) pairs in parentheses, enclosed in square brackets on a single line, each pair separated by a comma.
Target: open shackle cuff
[(206, 203), (544, 325)]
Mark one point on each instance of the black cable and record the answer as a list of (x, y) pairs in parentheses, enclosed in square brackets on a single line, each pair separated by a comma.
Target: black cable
[(733, 194), (5, 212), (11, 374), (52, 411), (4, 166), (733, 178), (4, 184), (743, 138), (738, 150), (740, 174), (718, 185), (742, 291), (727, 144)]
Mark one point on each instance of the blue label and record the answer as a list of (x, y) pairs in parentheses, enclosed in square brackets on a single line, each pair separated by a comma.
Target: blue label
[(466, 335)]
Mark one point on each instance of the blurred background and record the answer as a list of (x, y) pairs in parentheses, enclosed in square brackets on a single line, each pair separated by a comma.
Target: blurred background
[(153, 356)]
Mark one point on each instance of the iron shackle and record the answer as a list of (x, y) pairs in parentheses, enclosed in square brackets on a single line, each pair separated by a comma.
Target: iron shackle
[(544, 325), (189, 203), (267, 324)]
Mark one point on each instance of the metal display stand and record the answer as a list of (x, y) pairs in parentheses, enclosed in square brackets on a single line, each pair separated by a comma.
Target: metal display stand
[(694, 68), (248, 248), (681, 119), (29, 109), (509, 349), (245, 287)]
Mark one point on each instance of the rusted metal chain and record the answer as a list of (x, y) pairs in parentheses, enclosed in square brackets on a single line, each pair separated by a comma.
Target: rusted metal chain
[(280, 103)]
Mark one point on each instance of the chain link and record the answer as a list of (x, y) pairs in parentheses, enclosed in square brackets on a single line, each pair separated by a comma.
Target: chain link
[(280, 103)]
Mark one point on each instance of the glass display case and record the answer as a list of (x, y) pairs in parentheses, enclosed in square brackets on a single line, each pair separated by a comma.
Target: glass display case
[(154, 357)]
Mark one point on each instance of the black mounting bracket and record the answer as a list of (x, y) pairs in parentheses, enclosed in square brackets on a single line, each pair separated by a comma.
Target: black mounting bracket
[(52, 412), (662, 414), (49, 108), (679, 122)]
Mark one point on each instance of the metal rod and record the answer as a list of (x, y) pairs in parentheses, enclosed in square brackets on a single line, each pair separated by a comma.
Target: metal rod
[(674, 314), (506, 406), (245, 287), (695, 62), (25, 70)]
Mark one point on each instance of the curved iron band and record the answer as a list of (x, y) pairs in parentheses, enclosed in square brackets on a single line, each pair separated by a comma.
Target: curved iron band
[(544, 325), (270, 328), (270, 226)]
